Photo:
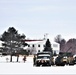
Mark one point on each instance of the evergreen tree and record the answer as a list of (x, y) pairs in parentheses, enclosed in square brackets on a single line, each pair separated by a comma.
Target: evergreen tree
[(48, 46), (13, 42)]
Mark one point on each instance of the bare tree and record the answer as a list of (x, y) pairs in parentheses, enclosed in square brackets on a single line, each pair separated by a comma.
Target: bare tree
[(58, 39), (61, 41)]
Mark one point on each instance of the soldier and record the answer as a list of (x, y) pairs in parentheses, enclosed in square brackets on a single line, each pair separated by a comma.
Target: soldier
[(7, 59), (24, 59), (34, 59)]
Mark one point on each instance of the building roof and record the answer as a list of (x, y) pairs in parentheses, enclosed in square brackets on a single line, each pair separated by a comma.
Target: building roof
[(38, 41)]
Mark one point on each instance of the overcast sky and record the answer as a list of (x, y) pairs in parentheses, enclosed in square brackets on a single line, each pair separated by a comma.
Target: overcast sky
[(34, 18)]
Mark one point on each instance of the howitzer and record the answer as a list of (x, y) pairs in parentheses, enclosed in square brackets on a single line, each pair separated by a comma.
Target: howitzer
[(64, 58)]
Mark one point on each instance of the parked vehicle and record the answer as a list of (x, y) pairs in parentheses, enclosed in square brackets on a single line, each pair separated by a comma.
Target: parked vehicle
[(71, 60), (43, 59), (59, 61), (64, 59)]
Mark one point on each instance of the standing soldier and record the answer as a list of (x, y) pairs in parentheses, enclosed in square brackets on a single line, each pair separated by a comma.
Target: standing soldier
[(7, 59), (34, 59), (24, 59), (17, 57)]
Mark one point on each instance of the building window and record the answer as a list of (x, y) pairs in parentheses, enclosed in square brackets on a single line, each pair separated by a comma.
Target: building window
[(28, 45), (38, 50), (33, 45), (55, 45), (39, 45)]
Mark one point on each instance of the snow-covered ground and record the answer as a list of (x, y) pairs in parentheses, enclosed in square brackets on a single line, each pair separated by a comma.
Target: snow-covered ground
[(28, 68)]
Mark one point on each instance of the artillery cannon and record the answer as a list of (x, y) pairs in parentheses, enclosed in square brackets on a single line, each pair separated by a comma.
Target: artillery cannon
[(64, 58)]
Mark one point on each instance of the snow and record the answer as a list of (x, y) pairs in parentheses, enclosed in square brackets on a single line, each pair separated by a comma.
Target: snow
[(28, 68)]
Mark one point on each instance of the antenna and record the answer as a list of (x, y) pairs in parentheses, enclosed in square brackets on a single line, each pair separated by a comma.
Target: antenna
[(45, 36)]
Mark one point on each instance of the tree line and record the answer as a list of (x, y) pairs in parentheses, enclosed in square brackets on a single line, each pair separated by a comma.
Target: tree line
[(66, 46)]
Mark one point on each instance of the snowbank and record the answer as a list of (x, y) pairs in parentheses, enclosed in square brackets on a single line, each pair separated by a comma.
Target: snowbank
[(28, 68)]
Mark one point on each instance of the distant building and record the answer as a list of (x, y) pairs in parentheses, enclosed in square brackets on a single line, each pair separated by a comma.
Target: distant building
[(38, 45)]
